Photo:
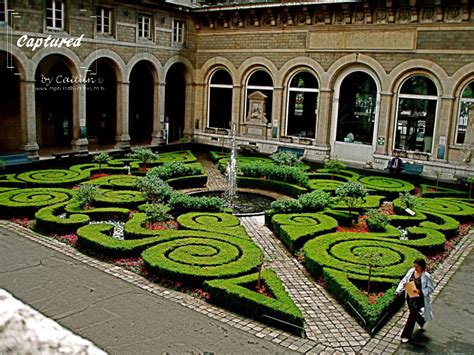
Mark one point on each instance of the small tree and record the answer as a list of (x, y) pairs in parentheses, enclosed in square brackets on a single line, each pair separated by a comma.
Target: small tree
[(371, 258), (334, 166), (101, 158), (352, 194), (154, 189), (408, 200), (376, 221), (286, 159), (85, 195), (470, 181), (143, 155)]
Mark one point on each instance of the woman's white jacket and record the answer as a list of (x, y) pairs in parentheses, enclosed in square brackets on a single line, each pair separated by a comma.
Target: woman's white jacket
[(427, 287)]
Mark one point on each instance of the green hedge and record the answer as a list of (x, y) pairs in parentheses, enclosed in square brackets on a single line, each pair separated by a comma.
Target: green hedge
[(445, 224), (352, 175), (213, 222), (325, 185), (291, 175), (386, 185), (344, 218), (328, 177), (99, 213), (461, 210), (339, 251), (356, 302), (47, 220), (236, 295), (118, 198), (405, 220), (97, 238), (264, 184), (53, 177), (371, 201), (216, 156), (10, 180), (117, 182), (181, 203), (294, 230), (203, 256), (440, 191), (25, 202)]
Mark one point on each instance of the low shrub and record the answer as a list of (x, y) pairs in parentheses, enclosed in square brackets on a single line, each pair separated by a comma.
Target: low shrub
[(182, 203), (376, 221), (314, 201), (290, 175), (157, 213), (286, 159), (286, 206), (48, 220), (334, 166), (85, 195), (352, 194), (175, 169), (144, 156), (154, 189)]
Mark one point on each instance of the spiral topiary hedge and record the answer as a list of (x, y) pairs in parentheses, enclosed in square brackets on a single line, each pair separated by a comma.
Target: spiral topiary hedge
[(99, 213), (371, 201), (119, 198), (9, 180), (213, 222), (196, 259), (118, 182), (53, 177), (296, 229), (25, 202), (386, 185), (450, 207), (325, 185), (436, 191), (48, 220), (239, 294)]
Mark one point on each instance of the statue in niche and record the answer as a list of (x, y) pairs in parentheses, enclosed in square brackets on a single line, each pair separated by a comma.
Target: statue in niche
[(256, 111)]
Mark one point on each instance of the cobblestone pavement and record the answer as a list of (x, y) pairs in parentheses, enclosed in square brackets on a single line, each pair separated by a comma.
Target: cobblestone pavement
[(329, 328)]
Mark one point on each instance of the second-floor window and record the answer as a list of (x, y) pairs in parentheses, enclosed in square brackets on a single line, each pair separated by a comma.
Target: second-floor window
[(55, 15), (178, 31), (3, 11), (144, 26), (104, 20)]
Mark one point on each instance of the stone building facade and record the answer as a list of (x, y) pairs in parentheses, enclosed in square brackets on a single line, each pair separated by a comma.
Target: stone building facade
[(352, 79)]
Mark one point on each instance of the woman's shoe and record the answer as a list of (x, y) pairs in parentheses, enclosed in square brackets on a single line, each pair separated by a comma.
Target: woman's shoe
[(405, 340)]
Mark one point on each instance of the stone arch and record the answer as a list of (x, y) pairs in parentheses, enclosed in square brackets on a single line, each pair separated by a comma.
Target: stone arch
[(22, 62), (204, 73), (460, 79), (71, 57), (297, 64), (251, 64), (117, 62), (176, 60), (417, 67), (354, 60), (155, 65)]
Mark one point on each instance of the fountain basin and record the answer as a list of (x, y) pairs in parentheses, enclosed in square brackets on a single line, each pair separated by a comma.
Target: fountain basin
[(245, 203)]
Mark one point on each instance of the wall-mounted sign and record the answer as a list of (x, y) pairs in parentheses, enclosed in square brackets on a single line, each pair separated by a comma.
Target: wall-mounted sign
[(381, 141)]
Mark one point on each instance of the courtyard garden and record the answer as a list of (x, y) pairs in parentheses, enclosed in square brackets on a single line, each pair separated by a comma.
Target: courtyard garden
[(355, 233)]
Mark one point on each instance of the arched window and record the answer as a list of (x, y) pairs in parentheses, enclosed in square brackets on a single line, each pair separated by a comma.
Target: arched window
[(302, 105), (260, 81), (220, 100), (467, 101), (356, 114), (416, 114)]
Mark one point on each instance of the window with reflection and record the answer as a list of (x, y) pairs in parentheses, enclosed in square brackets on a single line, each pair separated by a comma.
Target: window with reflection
[(416, 115), (467, 102), (356, 114), (260, 81), (302, 105), (220, 100)]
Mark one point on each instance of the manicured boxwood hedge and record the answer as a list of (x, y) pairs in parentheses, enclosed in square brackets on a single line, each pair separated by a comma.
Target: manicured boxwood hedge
[(433, 191), (213, 222), (99, 213), (386, 185), (216, 156), (188, 182), (118, 198), (325, 185), (117, 182), (53, 177), (47, 220), (352, 175), (371, 201), (296, 229), (328, 177), (458, 209), (237, 295), (264, 184), (9, 180), (25, 202), (445, 224)]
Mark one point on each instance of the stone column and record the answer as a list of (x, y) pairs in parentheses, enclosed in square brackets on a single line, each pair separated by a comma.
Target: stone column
[(28, 118), (323, 124), (276, 113), (188, 110), (158, 113), (79, 134), (198, 108), (444, 117), (237, 117), (384, 124), (122, 138)]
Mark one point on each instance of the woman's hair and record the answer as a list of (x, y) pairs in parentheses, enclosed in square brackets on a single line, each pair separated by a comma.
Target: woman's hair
[(421, 263)]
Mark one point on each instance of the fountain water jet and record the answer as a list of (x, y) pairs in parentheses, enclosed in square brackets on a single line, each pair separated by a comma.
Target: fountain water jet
[(230, 194)]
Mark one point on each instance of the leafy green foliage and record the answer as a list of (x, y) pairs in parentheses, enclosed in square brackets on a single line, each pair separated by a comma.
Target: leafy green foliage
[(154, 189), (376, 221), (85, 195), (286, 206), (175, 169), (292, 175), (143, 155), (352, 193), (157, 212), (408, 200), (334, 166), (101, 158), (182, 203), (314, 201), (286, 159)]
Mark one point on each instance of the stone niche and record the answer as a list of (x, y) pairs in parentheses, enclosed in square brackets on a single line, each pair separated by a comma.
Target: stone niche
[(256, 124)]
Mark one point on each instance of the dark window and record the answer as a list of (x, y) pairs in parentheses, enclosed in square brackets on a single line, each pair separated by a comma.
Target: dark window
[(261, 81), (220, 100), (104, 20), (55, 15), (467, 101)]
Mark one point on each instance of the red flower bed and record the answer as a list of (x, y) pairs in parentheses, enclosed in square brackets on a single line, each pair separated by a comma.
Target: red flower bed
[(387, 208), (159, 226), (21, 221), (359, 227), (96, 176), (373, 297), (69, 239)]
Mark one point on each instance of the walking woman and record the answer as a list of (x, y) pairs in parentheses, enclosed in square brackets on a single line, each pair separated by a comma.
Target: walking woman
[(419, 305)]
